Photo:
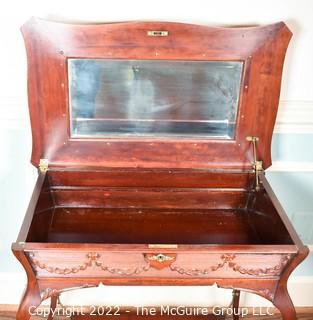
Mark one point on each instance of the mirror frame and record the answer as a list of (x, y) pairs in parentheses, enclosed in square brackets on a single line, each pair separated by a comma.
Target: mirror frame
[(50, 44)]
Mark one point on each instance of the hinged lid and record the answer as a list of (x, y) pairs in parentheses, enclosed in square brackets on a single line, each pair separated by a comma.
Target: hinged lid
[(153, 95)]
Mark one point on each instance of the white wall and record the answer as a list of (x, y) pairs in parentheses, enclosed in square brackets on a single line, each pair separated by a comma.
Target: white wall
[(297, 14), (16, 174)]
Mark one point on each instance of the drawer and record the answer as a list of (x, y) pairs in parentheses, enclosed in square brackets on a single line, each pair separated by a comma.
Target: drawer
[(104, 264)]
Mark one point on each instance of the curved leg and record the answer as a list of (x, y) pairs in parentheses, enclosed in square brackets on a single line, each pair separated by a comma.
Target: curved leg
[(284, 304), (235, 304), (30, 301), (282, 299), (31, 298)]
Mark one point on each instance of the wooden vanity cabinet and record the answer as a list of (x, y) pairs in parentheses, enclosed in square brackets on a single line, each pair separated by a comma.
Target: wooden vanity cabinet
[(151, 140)]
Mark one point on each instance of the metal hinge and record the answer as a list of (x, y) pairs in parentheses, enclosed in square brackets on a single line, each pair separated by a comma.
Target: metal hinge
[(257, 164), (43, 165)]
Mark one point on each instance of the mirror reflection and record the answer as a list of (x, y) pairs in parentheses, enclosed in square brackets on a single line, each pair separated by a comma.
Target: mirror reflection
[(153, 98)]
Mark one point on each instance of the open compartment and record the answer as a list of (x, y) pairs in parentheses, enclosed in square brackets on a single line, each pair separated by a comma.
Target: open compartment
[(151, 139), (123, 207)]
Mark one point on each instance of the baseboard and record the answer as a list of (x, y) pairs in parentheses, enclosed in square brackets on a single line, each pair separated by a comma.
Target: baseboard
[(300, 289), (291, 166), (294, 116)]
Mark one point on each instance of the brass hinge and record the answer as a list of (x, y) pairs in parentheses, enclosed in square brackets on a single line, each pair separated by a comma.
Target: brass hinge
[(43, 165), (257, 164)]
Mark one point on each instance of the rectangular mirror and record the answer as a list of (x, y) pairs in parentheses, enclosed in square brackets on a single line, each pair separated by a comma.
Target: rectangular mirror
[(159, 98)]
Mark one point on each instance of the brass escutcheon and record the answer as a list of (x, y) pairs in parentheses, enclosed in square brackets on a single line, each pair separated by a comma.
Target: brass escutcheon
[(160, 258)]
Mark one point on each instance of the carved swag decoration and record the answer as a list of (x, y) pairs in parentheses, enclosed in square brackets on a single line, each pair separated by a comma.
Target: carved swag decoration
[(226, 260), (92, 261)]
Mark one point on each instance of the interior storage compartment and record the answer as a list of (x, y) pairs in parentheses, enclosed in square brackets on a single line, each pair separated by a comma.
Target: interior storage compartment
[(151, 141), (124, 207)]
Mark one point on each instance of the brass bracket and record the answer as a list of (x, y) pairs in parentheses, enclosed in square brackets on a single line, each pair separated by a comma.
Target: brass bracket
[(43, 165), (257, 164)]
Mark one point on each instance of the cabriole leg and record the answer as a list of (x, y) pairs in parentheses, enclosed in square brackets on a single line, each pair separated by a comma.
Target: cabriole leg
[(284, 304), (31, 298), (30, 301)]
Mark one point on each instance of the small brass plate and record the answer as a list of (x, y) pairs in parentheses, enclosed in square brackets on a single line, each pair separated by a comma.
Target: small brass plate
[(162, 246), (157, 33)]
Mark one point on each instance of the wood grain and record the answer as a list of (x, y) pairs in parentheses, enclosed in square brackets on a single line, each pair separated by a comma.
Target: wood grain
[(49, 45), (103, 201)]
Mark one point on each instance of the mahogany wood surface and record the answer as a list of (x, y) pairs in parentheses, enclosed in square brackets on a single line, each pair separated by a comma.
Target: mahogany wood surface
[(148, 226), (153, 178), (158, 215), (76, 227), (50, 44), (105, 208)]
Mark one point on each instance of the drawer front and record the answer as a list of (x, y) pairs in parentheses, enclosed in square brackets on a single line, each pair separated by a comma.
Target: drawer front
[(160, 264)]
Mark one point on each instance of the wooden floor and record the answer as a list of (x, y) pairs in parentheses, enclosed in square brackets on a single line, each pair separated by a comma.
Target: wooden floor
[(8, 313)]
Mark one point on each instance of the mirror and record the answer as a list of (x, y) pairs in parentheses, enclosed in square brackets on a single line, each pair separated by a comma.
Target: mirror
[(153, 98)]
